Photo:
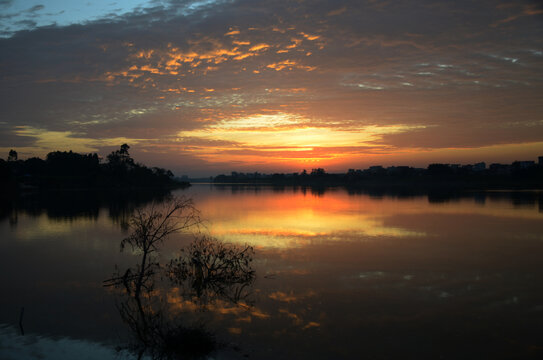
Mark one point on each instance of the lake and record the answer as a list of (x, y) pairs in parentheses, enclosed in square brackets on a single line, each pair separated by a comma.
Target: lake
[(338, 274)]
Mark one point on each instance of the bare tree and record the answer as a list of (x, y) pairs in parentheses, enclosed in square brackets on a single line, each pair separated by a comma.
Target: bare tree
[(207, 270), (149, 227)]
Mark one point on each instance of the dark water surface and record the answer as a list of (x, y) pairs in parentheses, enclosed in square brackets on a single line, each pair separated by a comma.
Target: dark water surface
[(339, 274)]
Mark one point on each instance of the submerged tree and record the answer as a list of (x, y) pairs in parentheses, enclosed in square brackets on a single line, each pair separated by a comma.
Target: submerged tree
[(207, 268), (149, 228)]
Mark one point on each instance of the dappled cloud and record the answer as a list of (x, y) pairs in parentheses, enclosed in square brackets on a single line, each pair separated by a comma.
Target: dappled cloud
[(215, 86)]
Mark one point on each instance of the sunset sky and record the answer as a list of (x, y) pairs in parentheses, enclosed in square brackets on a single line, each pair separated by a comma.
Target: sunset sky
[(208, 87)]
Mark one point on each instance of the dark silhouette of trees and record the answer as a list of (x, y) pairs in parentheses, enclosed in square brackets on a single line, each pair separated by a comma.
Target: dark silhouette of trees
[(318, 172), (12, 156), (62, 163), (6, 176), (121, 158), (67, 169)]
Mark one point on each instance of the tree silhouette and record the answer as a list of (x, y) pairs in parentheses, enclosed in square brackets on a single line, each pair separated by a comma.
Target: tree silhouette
[(121, 158), (12, 156), (150, 227), (207, 268)]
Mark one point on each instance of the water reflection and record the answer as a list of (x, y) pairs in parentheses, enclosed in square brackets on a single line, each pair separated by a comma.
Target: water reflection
[(210, 270), (120, 204), (205, 273), (520, 198), (341, 275), (291, 217), (79, 204), (32, 346)]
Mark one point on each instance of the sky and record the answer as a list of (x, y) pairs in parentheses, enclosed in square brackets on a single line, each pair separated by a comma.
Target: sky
[(212, 86)]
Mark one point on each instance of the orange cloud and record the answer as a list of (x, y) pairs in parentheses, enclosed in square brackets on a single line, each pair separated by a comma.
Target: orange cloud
[(528, 10), (289, 65), (310, 37), (244, 56), (282, 65), (296, 43), (337, 11), (259, 47)]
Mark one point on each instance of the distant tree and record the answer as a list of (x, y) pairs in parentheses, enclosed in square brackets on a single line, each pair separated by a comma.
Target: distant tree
[(124, 149), (351, 175), (34, 166), (5, 173), (67, 169), (121, 157), (12, 156), (318, 172), (70, 163)]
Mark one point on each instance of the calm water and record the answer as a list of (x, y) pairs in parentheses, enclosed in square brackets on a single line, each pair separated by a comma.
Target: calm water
[(338, 275)]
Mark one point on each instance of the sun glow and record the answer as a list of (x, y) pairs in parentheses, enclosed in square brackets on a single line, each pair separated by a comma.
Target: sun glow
[(283, 137)]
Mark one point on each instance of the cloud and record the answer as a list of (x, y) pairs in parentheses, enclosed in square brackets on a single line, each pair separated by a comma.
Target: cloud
[(336, 12), (440, 69), (35, 8), (525, 10), (283, 137)]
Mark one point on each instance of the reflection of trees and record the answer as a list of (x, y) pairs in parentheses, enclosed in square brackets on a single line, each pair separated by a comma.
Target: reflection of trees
[(206, 271), (64, 205), (209, 269)]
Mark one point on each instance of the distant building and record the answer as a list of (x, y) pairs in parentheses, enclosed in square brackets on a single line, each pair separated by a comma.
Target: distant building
[(479, 167), (398, 170), (376, 169), (500, 168), (540, 160), (392, 170), (439, 169), (523, 164)]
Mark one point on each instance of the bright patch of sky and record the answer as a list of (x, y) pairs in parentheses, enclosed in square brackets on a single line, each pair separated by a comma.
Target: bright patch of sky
[(17, 15)]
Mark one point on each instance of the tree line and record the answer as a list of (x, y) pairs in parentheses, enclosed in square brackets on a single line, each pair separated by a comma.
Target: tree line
[(518, 175), (67, 169)]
